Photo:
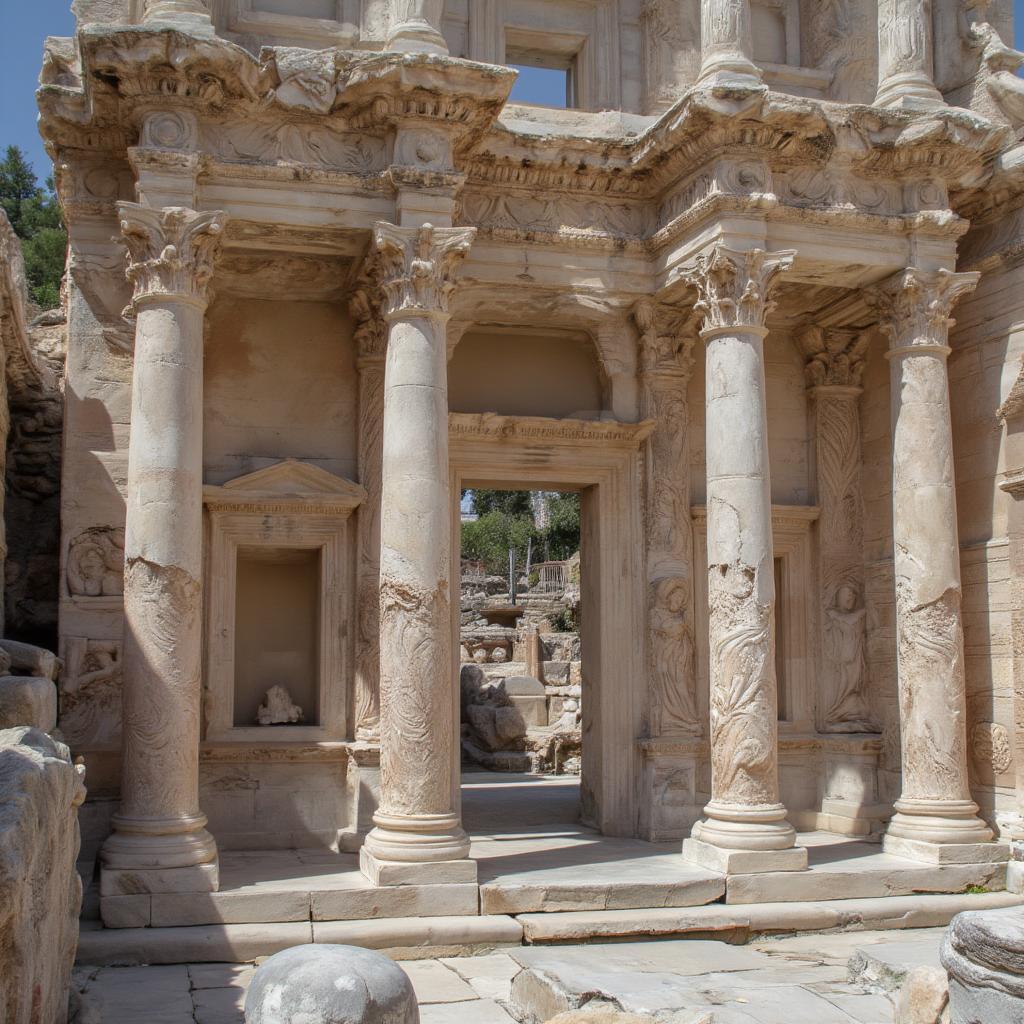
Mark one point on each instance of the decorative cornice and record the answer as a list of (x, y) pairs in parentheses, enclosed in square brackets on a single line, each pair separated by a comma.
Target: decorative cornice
[(289, 487), (542, 430), (794, 517), (416, 267), (734, 286), (171, 251), (914, 307), (835, 356)]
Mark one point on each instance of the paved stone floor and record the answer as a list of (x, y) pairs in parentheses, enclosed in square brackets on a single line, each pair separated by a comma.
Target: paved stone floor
[(806, 979)]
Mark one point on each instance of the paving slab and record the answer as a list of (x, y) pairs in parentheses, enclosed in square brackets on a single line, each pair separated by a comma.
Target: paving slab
[(883, 967), (479, 1011), (219, 1006), (220, 975), (490, 976), (433, 982), (142, 995)]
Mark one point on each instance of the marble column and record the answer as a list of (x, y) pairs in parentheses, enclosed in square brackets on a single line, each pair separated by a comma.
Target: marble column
[(159, 843), (371, 343), (417, 824), (727, 47), (905, 42), (745, 828), (418, 27), (935, 819), (666, 361), (192, 14), (834, 371)]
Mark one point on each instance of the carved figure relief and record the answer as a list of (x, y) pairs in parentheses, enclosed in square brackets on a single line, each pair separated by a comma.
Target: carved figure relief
[(284, 142), (95, 565), (90, 692), (308, 78), (670, 623), (991, 747), (845, 641)]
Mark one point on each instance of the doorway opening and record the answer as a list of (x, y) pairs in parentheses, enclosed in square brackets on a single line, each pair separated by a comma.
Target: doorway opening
[(521, 673)]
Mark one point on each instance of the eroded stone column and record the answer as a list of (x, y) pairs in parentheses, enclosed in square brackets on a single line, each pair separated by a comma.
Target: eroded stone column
[(417, 824), (159, 843), (905, 55), (935, 818), (194, 14), (746, 827), (666, 361), (727, 48), (834, 371), (371, 343), (417, 28)]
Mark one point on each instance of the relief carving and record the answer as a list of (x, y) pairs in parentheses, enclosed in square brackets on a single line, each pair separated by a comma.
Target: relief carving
[(95, 564), (834, 356), (90, 692), (845, 643), (734, 286), (308, 79), (991, 747), (285, 142)]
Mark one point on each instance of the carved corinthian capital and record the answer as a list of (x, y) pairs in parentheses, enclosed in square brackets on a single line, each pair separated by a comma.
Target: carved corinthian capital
[(914, 307), (666, 339), (417, 267), (734, 286), (171, 251), (371, 336), (835, 356)]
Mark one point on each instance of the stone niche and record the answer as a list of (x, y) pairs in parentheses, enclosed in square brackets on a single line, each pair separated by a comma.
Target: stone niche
[(279, 582)]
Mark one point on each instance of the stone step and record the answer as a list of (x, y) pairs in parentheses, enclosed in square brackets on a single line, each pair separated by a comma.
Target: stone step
[(400, 937), (740, 922)]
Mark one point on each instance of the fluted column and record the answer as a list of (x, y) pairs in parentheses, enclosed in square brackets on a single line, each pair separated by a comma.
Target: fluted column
[(935, 807), (417, 824), (727, 48), (371, 343), (666, 361), (746, 827), (905, 55), (834, 372), (159, 840), (417, 28)]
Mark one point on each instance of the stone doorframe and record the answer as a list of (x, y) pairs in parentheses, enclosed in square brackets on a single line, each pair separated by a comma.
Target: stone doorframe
[(601, 460)]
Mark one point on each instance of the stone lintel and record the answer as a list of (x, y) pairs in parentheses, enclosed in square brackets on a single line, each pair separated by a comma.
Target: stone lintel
[(946, 853), (442, 872), (743, 862)]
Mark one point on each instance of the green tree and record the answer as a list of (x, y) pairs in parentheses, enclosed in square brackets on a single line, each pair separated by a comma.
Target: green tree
[(34, 214), (512, 503), (562, 537), (489, 538)]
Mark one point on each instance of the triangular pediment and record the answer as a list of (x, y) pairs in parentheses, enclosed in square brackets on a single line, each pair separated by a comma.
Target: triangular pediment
[(288, 480)]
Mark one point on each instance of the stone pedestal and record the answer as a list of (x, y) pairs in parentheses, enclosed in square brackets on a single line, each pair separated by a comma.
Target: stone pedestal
[(983, 951), (905, 55), (746, 827), (159, 843), (727, 47), (935, 819), (417, 834)]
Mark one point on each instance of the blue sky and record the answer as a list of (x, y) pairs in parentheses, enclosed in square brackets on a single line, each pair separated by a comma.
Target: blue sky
[(25, 23)]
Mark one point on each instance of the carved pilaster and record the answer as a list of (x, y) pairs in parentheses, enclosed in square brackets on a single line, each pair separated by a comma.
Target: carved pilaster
[(371, 345), (666, 362), (935, 805), (905, 41), (834, 371), (171, 251), (745, 812), (418, 819)]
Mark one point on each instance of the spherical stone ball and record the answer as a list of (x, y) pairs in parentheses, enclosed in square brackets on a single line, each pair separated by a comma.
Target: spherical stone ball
[(325, 984)]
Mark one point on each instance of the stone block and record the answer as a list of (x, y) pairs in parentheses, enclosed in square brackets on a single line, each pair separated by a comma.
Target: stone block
[(133, 881), (194, 908), (126, 911), (743, 862), (395, 901), (534, 710), (30, 660), (444, 872), (923, 997), (28, 700), (946, 853)]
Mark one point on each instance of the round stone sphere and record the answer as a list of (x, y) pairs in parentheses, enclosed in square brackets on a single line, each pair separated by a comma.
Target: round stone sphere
[(324, 984)]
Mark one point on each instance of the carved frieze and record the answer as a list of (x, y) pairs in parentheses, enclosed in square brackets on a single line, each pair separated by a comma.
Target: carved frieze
[(523, 212), (90, 692), (95, 563), (284, 141)]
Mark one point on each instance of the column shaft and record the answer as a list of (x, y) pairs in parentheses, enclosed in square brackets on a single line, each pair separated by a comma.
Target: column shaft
[(417, 28), (159, 824), (745, 812), (935, 805), (905, 55), (418, 820), (727, 48)]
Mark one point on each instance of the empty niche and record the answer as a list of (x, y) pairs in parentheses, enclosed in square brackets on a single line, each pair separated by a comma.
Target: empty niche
[(277, 627)]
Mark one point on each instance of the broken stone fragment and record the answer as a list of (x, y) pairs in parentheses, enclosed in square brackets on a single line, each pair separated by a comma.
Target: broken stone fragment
[(28, 700), (26, 659), (279, 708)]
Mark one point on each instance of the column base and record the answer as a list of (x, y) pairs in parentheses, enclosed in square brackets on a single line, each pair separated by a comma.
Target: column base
[(730, 72), (741, 827), (909, 91), (407, 849), (940, 822), (946, 853), (743, 862), (136, 881), (417, 37)]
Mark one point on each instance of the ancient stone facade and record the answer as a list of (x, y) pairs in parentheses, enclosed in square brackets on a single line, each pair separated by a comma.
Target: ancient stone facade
[(756, 293)]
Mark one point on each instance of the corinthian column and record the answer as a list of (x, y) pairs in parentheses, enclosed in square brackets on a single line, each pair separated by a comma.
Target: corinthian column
[(159, 843), (935, 819), (905, 55), (746, 827), (371, 343), (834, 371), (666, 360), (727, 47), (418, 821)]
